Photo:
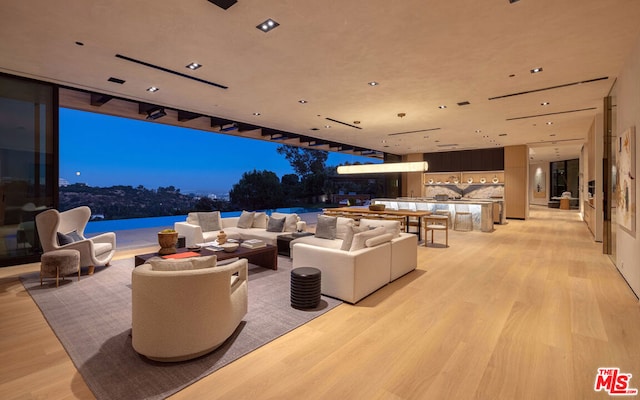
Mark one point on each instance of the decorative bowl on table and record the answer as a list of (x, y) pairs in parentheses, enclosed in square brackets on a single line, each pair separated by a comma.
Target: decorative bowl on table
[(229, 247), (377, 207)]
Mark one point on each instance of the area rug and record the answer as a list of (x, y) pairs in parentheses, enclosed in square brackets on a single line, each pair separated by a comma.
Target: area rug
[(92, 319)]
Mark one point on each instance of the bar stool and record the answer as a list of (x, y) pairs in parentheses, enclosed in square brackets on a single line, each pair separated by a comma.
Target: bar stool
[(462, 220), (436, 223)]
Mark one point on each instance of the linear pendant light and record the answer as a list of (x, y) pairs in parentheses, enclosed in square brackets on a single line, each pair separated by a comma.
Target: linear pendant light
[(417, 166)]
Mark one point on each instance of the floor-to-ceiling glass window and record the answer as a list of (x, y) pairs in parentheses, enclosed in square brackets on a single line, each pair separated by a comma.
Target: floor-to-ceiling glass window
[(28, 126)]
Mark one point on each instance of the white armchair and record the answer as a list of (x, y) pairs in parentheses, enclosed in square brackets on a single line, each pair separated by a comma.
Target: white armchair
[(95, 251), (180, 315)]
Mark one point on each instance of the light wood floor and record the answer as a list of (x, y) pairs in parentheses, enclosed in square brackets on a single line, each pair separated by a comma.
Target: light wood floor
[(529, 311)]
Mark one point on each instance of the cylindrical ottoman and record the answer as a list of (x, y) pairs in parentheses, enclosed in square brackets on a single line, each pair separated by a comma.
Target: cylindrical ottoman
[(58, 263), (305, 287)]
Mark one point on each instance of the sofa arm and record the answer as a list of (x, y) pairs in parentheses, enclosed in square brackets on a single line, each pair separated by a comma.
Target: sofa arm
[(192, 233), (107, 237)]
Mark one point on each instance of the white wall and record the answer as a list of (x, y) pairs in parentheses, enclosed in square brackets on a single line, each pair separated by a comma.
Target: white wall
[(534, 169), (628, 86)]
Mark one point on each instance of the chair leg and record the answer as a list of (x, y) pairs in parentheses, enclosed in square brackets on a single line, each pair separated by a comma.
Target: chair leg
[(91, 269), (78, 274), (57, 275)]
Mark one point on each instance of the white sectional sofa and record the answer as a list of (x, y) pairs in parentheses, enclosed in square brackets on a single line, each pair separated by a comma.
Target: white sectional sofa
[(202, 227), (350, 272)]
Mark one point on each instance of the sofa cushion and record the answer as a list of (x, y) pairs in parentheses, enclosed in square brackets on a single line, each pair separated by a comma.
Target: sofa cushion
[(342, 225), (246, 219), (209, 221), (161, 264), (326, 227), (290, 221), (275, 224), (352, 230), (359, 239), (392, 227), (319, 242), (378, 240), (260, 220)]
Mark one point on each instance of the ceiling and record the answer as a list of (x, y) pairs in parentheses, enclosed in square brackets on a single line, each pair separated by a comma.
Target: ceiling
[(423, 54)]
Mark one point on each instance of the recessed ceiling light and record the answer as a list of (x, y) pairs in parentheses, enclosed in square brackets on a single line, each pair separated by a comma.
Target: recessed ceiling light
[(116, 80), (302, 101), (267, 25), (80, 43), (550, 123), (256, 114), (152, 89), (373, 83), (536, 70), (442, 106), (512, 75), (553, 134), (502, 134), (544, 103), (194, 66), (327, 126), (478, 131)]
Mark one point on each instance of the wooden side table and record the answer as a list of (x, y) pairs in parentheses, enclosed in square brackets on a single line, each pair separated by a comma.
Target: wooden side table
[(284, 242), (564, 203)]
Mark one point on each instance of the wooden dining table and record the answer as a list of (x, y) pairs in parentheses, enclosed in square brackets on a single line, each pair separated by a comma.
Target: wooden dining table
[(407, 214)]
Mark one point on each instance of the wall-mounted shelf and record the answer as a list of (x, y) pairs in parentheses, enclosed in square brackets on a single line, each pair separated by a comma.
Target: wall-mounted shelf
[(471, 178)]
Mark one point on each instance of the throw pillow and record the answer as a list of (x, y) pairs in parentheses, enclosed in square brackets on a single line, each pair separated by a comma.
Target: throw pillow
[(377, 240), (246, 219), (290, 221), (359, 239), (351, 231), (260, 220), (275, 224), (75, 236), (161, 264), (209, 221), (63, 239), (326, 227), (392, 227)]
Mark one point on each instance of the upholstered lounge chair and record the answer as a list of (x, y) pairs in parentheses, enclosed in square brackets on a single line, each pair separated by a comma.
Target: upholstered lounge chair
[(180, 315), (94, 251)]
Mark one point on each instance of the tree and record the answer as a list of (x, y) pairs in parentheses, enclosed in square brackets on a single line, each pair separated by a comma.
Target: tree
[(304, 161), (309, 164), (291, 187), (257, 190)]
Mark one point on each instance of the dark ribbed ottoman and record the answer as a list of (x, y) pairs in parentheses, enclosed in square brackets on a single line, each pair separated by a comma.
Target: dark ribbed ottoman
[(305, 287)]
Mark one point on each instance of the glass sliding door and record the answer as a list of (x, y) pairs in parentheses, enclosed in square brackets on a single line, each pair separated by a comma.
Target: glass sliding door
[(28, 164)]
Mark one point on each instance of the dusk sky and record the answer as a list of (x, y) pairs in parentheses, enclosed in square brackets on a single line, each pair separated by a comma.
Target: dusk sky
[(102, 150)]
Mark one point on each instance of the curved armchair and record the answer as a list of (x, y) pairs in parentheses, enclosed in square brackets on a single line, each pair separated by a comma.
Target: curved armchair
[(94, 251), (180, 315)]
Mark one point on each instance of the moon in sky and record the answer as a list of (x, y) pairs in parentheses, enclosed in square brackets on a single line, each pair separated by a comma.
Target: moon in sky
[(78, 173)]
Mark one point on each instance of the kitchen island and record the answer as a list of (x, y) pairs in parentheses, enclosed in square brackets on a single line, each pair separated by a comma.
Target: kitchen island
[(481, 210)]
